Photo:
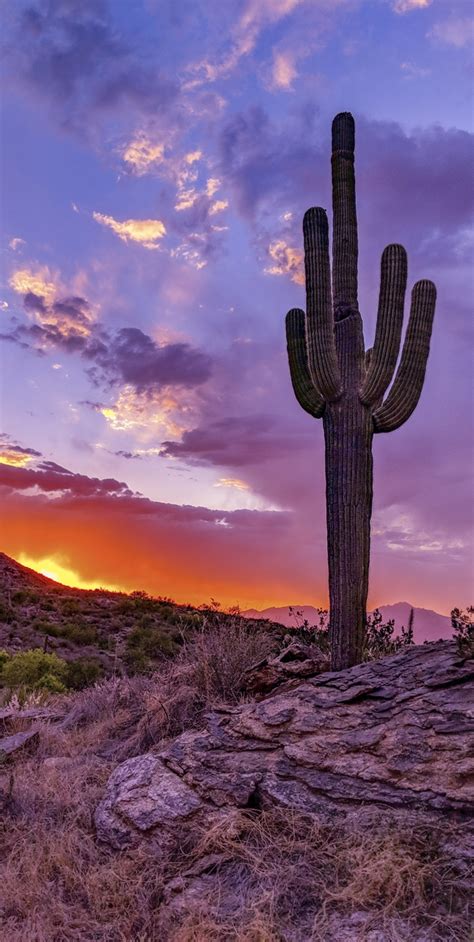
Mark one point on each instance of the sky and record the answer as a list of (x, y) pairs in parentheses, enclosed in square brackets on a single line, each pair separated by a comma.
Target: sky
[(157, 157)]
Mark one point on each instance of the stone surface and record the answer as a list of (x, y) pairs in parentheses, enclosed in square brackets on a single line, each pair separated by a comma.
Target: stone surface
[(297, 660), (393, 734), (12, 744)]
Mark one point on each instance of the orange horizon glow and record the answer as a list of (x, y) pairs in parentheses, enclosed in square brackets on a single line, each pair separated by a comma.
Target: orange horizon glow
[(52, 568)]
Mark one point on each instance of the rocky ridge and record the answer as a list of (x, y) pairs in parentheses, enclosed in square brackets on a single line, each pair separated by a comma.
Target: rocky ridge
[(394, 734)]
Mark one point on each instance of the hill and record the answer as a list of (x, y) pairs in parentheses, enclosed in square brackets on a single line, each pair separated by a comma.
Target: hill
[(115, 631)]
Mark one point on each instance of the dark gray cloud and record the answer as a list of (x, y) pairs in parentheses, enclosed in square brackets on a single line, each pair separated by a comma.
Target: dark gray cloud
[(134, 358), (72, 56), (237, 442)]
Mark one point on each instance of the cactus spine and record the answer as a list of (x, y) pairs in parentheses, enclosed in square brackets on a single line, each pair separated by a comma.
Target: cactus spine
[(335, 379)]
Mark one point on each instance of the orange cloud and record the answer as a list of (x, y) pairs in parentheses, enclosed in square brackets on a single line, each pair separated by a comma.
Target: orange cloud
[(287, 261), (14, 457), (39, 280), (141, 154), (147, 232)]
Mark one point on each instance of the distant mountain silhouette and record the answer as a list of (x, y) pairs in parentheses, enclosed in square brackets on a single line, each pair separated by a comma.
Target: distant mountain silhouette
[(428, 625)]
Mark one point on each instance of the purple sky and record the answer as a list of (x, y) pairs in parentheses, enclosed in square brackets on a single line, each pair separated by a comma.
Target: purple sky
[(157, 159)]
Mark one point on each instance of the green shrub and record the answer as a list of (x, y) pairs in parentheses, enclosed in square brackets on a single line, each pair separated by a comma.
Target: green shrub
[(4, 657), (83, 672), (70, 606), (6, 613), (51, 683), (27, 668), (144, 644)]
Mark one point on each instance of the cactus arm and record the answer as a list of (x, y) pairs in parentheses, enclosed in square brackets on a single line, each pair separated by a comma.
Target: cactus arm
[(322, 356), (305, 391), (393, 280), (406, 390), (345, 248)]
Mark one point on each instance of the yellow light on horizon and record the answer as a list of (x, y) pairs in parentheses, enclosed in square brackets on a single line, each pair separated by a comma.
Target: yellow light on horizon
[(55, 568)]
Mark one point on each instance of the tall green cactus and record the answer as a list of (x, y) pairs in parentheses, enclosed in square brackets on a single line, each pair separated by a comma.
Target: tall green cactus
[(335, 378)]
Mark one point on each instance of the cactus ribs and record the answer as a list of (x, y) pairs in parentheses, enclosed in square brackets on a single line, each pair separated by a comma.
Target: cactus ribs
[(335, 379)]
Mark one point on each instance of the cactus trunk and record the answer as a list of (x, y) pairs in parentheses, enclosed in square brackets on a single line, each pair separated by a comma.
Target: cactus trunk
[(336, 380), (348, 439)]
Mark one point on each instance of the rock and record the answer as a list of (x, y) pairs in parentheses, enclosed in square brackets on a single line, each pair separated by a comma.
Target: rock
[(380, 735), (295, 661), (11, 744), (142, 794)]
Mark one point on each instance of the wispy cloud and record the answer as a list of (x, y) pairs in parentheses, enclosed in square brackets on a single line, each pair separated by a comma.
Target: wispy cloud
[(405, 6), (411, 70), (454, 31), (147, 232), (257, 15), (284, 69)]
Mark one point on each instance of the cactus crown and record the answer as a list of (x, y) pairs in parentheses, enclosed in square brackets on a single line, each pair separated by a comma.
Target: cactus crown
[(322, 343)]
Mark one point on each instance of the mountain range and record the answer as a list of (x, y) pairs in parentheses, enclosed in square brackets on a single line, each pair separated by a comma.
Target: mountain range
[(427, 625)]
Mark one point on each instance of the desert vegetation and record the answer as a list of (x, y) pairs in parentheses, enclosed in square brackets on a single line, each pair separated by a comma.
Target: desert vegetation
[(284, 875)]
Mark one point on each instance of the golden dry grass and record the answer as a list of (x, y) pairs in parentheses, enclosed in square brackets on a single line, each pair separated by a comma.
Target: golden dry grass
[(267, 876)]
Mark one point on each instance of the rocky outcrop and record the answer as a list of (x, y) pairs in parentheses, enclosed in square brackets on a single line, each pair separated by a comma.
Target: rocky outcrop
[(393, 734), (10, 745)]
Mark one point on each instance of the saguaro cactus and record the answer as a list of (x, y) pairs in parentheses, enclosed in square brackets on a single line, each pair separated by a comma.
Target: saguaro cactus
[(335, 379)]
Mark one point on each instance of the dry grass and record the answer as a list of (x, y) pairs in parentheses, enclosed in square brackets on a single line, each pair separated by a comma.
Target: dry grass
[(255, 876)]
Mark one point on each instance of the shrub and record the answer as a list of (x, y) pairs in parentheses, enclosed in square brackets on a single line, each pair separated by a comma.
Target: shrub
[(6, 613), (27, 668), (83, 672), (51, 683), (463, 625), (70, 606), (146, 643), (380, 638)]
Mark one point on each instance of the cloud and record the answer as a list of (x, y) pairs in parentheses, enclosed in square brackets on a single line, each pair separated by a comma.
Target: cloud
[(149, 411), (133, 358), (147, 232), (129, 357), (284, 69), (235, 442), (454, 31), (142, 154), (39, 281), (50, 478), (405, 6), (286, 261), (256, 16), (232, 482), (60, 319), (16, 243), (11, 453), (73, 57), (411, 70)]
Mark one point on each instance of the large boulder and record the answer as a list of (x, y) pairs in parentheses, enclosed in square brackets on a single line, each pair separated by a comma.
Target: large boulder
[(393, 734)]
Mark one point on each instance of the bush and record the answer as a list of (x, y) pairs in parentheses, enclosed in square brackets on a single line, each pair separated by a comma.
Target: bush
[(146, 643), (7, 614), (70, 606), (463, 625), (27, 669), (83, 672), (380, 638), (50, 683)]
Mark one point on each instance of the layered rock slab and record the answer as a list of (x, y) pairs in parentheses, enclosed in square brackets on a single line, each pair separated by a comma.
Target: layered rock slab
[(394, 734)]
